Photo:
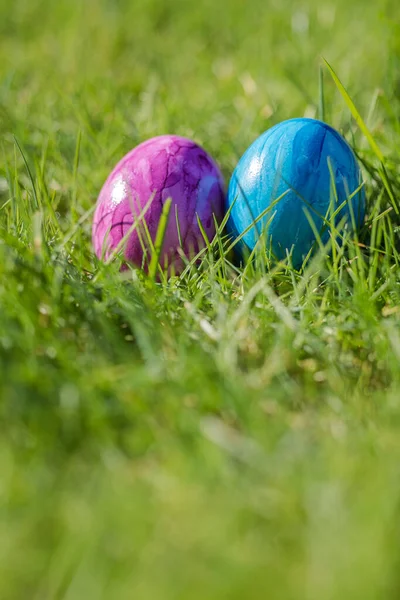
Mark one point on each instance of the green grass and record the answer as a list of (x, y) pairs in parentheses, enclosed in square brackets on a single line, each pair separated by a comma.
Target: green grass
[(231, 433)]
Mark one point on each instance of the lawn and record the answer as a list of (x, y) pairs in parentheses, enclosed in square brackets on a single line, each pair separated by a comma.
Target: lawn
[(233, 433)]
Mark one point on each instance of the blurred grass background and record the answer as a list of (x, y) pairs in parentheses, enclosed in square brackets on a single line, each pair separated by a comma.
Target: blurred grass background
[(210, 438)]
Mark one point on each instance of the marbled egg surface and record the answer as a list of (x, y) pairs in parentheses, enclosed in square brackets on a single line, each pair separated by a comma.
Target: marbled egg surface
[(163, 167), (313, 168)]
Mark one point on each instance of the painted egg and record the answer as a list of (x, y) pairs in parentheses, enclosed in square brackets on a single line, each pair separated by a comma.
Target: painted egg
[(290, 183), (131, 202)]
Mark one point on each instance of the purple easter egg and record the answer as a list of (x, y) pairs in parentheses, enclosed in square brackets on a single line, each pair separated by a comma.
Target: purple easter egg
[(163, 167)]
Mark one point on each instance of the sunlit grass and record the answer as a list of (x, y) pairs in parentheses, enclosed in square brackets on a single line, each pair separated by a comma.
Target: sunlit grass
[(233, 431)]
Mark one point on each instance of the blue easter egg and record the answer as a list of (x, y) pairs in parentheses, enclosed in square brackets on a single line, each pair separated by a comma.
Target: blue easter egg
[(300, 169)]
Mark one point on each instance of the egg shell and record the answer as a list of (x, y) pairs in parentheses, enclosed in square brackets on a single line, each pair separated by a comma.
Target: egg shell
[(299, 159), (163, 167)]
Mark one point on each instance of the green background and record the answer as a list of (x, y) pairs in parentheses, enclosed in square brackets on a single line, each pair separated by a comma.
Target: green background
[(225, 435)]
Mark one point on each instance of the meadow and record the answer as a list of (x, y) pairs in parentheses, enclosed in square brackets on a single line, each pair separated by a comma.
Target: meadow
[(234, 432)]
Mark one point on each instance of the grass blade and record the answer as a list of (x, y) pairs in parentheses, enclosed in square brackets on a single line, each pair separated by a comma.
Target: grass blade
[(350, 104), (366, 132), (160, 235), (37, 206), (321, 107)]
